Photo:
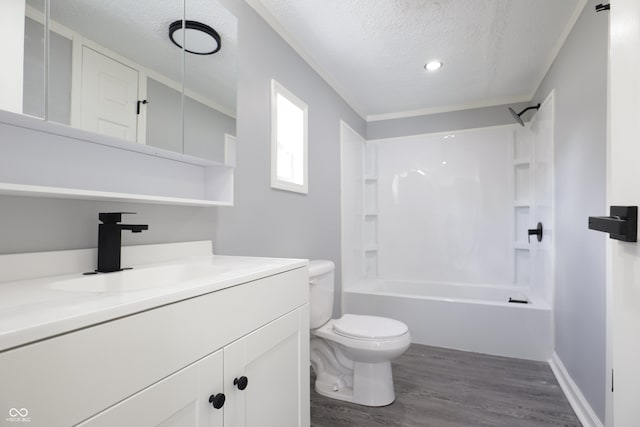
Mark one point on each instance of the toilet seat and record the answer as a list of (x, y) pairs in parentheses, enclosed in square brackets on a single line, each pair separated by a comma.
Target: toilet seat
[(369, 327)]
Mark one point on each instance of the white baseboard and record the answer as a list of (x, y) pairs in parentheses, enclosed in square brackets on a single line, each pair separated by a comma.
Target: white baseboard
[(576, 399)]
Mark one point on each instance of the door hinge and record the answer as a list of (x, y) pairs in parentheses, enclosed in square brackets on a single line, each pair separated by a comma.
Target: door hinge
[(612, 381)]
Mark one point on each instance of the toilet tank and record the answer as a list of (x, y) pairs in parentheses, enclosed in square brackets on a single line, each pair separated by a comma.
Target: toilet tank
[(320, 292)]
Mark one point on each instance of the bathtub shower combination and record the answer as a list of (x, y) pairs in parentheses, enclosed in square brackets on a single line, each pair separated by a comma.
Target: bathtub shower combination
[(436, 234)]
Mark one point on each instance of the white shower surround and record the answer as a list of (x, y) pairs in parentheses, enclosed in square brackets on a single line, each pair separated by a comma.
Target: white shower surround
[(444, 207), (508, 171)]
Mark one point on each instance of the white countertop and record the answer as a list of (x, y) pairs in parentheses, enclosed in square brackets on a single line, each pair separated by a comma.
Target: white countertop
[(35, 309)]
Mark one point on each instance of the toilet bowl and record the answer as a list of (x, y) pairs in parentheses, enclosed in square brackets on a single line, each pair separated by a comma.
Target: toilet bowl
[(352, 355)]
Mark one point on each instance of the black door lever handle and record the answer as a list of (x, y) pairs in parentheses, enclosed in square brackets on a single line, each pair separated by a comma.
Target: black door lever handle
[(621, 224), (535, 232)]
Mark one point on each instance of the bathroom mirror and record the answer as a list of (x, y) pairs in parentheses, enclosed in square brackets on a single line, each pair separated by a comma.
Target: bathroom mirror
[(113, 70), (22, 75)]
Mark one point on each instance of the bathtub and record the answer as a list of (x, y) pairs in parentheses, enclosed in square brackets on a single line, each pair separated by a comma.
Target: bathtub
[(475, 318)]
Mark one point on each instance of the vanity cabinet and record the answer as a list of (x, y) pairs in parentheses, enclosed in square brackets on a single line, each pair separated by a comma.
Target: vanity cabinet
[(160, 367), (267, 359), (178, 400)]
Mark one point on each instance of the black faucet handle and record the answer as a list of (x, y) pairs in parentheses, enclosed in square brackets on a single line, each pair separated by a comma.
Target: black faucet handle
[(112, 217)]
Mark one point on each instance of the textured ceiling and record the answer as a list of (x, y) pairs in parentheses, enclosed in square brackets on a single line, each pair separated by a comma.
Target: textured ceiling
[(139, 30), (373, 51)]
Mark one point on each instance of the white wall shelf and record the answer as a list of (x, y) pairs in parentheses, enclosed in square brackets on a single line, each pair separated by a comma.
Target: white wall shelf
[(370, 178), (371, 248), (39, 159), (521, 246), (371, 213), (105, 196)]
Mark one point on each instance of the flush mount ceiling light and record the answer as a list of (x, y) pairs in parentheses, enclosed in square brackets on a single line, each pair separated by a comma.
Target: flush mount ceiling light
[(200, 38), (433, 65)]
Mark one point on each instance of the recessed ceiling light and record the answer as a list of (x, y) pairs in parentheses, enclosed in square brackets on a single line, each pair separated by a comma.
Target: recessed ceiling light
[(433, 65), (200, 38)]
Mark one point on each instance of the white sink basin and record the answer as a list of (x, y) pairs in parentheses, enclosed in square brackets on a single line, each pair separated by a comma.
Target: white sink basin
[(138, 278)]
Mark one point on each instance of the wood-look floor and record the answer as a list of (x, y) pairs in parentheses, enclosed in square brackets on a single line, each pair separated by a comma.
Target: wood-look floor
[(438, 387)]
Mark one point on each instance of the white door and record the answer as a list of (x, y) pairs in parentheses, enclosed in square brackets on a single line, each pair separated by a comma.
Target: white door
[(623, 186), (180, 400), (276, 372), (109, 96)]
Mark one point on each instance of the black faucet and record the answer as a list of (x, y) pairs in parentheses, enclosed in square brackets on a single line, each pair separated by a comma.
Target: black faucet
[(110, 240)]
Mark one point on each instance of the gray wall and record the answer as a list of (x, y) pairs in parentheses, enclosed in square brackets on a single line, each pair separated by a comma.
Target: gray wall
[(204, 127), (164, 116), (272, 222), (579, 77), (33, 224), (442, 122)]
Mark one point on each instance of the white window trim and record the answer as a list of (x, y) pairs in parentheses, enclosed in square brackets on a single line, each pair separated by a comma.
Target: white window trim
[(277, 88)]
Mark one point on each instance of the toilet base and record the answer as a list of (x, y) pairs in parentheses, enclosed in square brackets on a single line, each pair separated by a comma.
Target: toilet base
[(372, 385)]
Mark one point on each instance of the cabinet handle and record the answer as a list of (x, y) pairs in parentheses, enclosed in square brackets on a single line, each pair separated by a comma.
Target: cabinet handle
[(241, 382), (217, 400)]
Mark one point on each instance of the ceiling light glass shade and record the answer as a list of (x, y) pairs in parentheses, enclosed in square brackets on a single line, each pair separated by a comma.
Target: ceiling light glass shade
[(433, 65), (200, 38)]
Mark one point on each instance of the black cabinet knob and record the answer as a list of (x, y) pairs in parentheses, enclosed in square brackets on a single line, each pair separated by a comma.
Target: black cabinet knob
[(217, 400), (241, 382)]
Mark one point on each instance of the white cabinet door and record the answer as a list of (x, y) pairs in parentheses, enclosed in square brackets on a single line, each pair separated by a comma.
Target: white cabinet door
[(109, 96), (180, 400), (275, 361)]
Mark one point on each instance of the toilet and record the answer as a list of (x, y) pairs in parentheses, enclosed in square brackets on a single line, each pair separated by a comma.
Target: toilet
[(351, 356)]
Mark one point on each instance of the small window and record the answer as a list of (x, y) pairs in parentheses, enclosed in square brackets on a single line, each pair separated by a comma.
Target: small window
[(288, 140)]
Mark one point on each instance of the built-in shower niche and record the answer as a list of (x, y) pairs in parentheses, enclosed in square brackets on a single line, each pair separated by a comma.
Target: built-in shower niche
[(522, 267), (522, 184), (522, 221), (370, 232), (371, 196)]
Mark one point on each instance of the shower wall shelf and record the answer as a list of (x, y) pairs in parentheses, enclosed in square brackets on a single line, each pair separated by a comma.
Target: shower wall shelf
[(370, 211), (522, 158)]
